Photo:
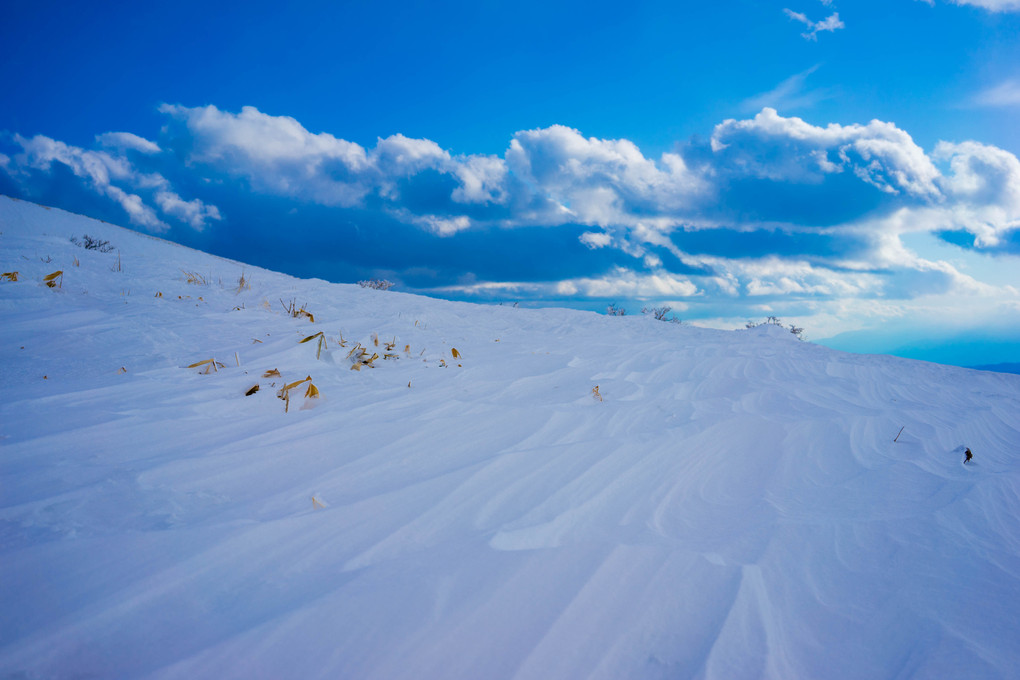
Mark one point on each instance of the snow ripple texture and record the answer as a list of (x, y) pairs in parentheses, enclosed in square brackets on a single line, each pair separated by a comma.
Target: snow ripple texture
[(734, 507)]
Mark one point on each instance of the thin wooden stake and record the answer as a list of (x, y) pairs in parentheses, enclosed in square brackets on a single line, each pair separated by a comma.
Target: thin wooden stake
[(898, 434)]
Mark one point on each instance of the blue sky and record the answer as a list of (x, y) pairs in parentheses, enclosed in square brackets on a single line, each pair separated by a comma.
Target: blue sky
[(851, 167)]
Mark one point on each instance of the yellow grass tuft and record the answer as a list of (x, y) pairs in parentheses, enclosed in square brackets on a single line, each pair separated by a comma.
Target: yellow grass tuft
[(293, 310), (194, 278), (55, 280), (595, 393), (321, 343), (242, 284), (284, 393), (9, 276), (211, 366)]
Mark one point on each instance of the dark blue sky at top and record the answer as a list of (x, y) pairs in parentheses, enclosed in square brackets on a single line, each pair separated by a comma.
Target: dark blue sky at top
[(768, 216), (469, 74)]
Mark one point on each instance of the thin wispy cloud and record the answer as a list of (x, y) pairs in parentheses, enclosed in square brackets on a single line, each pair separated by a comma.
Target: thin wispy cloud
[(831, 23), (789, 95), (991, 5), (126, 140), (1006, 93)]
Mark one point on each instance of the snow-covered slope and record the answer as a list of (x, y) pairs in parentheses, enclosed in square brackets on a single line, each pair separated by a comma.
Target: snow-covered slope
[(733, 507)]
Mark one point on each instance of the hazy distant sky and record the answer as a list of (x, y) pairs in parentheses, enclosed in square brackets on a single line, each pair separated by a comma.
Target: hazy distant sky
[(848, 166)]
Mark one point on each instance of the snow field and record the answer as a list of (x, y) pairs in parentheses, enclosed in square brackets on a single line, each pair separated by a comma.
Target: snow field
[(734, 507)]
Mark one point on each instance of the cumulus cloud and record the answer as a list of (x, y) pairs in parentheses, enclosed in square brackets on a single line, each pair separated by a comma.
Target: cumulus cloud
[(984, 188), (99, 169), (596, 239), (601, 181), (274, 153), (830, 23), (110, 174), (550, 176), (194, 213), (789, 149), (414, 178), (771, 207)]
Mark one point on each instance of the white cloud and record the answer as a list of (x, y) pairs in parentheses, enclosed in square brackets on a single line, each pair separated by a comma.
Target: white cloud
[(625, 283), (555, 175), (790, 94), (985, 189), (194, 213), (773, 275), (647, 208), (125, 140), (276, 153), (109, 174), (600, 181), (619, 283), (789, 149), (483, 179), (442, 226), (596, 239), (993, 5), (548, 176), (1006, 93), (97, 168), (830, 23)]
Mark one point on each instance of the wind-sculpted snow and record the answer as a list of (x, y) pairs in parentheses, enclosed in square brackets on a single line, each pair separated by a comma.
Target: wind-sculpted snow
[(734, 507)]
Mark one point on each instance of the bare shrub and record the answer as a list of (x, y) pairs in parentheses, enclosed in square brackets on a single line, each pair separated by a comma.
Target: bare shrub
[(616, 310), (89, 243), (776, 321), (297, 313), (376, 284), (659, 314)]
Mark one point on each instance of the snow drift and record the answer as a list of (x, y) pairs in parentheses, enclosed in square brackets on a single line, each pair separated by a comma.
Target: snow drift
[(734, 505)]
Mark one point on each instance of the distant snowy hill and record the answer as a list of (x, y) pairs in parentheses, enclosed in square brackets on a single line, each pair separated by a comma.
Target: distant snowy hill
[(723, 505), (1001, 368)]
